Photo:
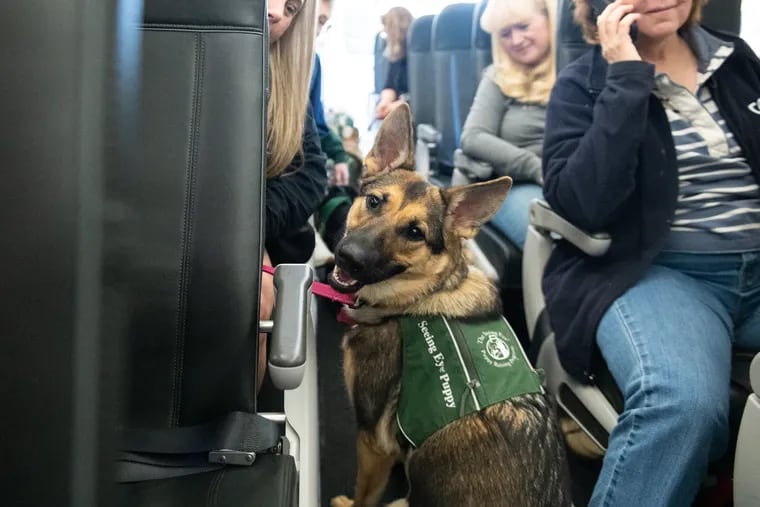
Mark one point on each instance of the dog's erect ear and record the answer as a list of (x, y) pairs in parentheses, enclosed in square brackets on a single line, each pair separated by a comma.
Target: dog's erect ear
[(469, 207), (394, 144)]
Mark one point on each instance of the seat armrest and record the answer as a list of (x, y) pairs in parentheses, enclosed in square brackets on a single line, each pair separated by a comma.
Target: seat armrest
[(428, 134), (291, 323), (473, 168), (754, 374), (547, 221)]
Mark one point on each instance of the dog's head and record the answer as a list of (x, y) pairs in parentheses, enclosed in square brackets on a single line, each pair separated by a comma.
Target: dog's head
[(403, 235)]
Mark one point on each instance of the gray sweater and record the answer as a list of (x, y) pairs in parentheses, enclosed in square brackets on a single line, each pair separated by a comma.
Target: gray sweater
[(504, 132)]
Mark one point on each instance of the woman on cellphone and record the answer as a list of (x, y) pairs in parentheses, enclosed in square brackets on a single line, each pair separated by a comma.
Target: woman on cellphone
[(655, 142)]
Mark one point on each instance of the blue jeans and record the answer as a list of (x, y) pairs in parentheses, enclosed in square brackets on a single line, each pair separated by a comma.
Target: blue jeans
[(667, 342), (512, 217)]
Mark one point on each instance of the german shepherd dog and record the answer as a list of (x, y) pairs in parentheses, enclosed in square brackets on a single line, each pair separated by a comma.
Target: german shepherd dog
[(403, 254)]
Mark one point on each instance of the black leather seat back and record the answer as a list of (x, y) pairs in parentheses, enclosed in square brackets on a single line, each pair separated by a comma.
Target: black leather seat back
[(193, 206), (724, 15), (381, 62), (420, 62), (570, 43), (481, 41), (58, 345), (455, 76)]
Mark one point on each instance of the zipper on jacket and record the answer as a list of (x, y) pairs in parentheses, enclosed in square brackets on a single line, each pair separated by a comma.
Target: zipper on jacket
[(468, 365)]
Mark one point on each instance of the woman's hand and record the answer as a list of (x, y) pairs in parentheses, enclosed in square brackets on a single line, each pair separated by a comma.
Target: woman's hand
[(340, 174), (614, 26), (266, 307)]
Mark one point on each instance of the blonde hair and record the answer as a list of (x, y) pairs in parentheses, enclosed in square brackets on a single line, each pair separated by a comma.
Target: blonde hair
[(521, 82), (396, 23), (582, 16), (290, 64)]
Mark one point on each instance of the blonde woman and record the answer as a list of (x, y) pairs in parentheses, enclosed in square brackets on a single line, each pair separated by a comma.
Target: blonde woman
[(396, 23), (505, 125), (296, 176)]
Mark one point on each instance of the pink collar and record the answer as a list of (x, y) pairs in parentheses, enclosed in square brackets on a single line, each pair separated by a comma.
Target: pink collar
[(323, 290)]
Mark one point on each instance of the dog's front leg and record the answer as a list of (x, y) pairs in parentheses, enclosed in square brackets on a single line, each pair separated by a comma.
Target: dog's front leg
[(373, 469)]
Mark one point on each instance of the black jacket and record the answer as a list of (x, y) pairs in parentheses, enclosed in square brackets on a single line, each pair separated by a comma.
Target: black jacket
[(610, 165), (292, 198)]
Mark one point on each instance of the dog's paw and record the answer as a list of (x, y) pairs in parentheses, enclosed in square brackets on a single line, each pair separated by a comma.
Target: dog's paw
[(341, 501)]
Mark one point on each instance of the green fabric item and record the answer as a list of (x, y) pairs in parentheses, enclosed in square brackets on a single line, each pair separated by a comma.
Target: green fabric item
[(328, 207), (333, 147), (455, 367)]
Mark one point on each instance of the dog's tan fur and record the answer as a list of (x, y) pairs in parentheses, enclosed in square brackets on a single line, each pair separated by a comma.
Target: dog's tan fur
[(469, 462)]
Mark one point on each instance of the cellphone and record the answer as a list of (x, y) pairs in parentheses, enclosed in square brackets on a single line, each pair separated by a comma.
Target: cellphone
[(597, 6)]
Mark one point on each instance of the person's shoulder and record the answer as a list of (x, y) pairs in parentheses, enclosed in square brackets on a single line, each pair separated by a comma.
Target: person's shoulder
[(740, 45), (582, 69), (489, 74)]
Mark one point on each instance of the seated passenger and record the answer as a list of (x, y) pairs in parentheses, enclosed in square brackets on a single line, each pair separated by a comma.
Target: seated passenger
[(331, 143), (396, 23), (505, 125), (296, 177), (656, 143)]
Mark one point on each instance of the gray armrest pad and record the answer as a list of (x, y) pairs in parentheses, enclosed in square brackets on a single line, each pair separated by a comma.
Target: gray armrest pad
[(545, 219), (292, 322), (428, 133), (475, 169), (754, 374)]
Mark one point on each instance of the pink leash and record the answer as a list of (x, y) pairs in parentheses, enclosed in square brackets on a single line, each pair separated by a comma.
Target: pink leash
[(323, 290)]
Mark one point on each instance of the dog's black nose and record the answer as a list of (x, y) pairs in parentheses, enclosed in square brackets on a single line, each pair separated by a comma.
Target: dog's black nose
[(351, 257)]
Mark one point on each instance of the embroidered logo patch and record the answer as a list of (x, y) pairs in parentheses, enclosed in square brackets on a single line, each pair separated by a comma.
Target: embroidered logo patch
[(496, 349), (755, 106)]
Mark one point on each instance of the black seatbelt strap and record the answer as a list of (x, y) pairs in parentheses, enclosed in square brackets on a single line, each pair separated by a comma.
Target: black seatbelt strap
[(150, 454)]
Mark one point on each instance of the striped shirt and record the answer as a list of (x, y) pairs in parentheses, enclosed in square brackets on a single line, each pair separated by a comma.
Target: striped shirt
[(718, 207)]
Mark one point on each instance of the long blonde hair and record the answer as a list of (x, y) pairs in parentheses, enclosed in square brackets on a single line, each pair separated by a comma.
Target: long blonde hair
[(526, 84), (396, 23), (290, 65)]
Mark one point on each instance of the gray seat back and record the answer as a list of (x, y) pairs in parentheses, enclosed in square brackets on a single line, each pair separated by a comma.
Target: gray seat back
[(420, 62), (455, 78), (481, 41), (381, 62), (192, 207)]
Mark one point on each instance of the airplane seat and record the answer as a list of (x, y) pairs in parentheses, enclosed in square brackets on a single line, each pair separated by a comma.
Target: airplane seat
[(481, 41), (191, 209), (381, 62), (454, 80), (595, 407), (420, 60), (422, 94)]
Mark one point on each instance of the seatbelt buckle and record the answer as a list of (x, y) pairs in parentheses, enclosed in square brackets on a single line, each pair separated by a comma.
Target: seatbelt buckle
[(232, 457)]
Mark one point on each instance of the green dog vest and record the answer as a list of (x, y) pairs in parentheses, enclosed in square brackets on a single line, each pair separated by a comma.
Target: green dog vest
[(452, 368)]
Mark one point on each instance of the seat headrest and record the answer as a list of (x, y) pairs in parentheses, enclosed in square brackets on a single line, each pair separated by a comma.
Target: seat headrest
[(480, 38), (452, 27), (420, 34), (723, 15), (237, 13)]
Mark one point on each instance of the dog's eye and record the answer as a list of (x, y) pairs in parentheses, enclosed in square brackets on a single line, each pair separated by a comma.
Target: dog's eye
[(373, 202), (414, 233)]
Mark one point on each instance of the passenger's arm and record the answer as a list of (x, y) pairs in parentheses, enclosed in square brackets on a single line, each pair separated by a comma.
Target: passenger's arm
[(591, 148), (480, 137), (295, 195)]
